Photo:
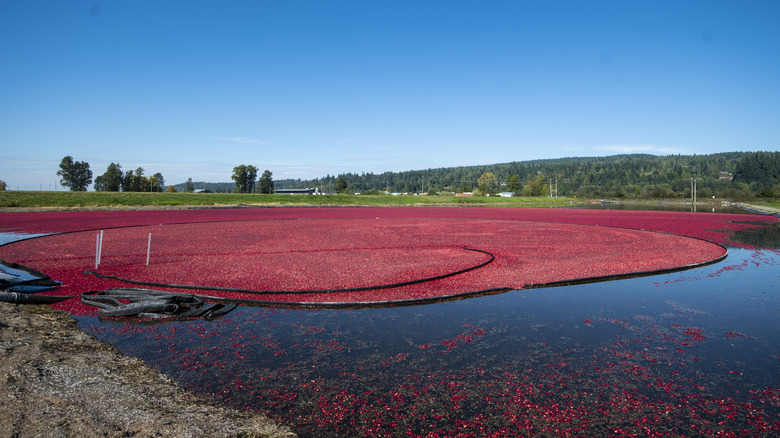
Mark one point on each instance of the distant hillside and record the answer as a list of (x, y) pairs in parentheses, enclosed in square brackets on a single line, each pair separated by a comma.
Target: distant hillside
[(618, 176)]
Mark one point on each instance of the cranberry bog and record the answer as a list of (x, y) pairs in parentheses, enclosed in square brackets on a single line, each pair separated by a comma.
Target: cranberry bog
[(357, 256), (443, 321)]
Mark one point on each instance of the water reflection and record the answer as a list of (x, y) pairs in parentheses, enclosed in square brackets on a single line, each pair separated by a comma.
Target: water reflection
[(8, 237), (700, 207), (765, 236)]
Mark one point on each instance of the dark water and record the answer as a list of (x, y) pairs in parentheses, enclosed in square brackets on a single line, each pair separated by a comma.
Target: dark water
[(690, 353)]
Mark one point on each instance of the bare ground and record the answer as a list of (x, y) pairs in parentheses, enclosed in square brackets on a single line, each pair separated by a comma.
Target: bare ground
[(58, 381)]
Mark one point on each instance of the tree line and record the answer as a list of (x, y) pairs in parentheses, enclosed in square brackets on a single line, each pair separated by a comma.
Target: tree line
[(115, 180), (245, 177), (77, 176), (733, 175)]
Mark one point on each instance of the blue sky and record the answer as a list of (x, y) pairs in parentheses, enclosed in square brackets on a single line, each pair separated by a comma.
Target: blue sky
[(192, 89)]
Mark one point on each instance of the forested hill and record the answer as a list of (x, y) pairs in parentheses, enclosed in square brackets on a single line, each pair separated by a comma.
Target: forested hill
[(635, 175), (618, 176)]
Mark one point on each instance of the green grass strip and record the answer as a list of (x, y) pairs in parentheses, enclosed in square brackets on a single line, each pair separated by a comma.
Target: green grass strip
[(36, 199)]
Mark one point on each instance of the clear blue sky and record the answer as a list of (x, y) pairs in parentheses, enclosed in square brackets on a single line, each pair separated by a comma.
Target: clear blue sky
[(192, 89)]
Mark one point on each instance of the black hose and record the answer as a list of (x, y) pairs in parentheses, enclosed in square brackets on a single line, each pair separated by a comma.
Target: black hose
[(104, 299), (302, 292), (19, 298), (153, 304)]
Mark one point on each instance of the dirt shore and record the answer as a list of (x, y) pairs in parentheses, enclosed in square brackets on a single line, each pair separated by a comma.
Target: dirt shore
[(58, 381)]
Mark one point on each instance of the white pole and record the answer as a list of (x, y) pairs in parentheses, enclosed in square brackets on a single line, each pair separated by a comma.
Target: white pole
[(148, 249), (97, 249), (100, 248)]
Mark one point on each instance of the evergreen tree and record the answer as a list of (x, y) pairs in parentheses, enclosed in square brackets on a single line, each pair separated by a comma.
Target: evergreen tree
[(266, 183), (341, 185), (140, 182), (99, 183), (111, 181), (128, 181), (157, 182), (762, 168), (513, 183)]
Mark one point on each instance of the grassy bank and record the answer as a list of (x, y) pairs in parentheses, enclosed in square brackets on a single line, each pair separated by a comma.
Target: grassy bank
[(32, 199)]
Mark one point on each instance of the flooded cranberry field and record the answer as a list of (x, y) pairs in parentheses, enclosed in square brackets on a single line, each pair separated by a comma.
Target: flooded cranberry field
[(682, 354), (687, 353)]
